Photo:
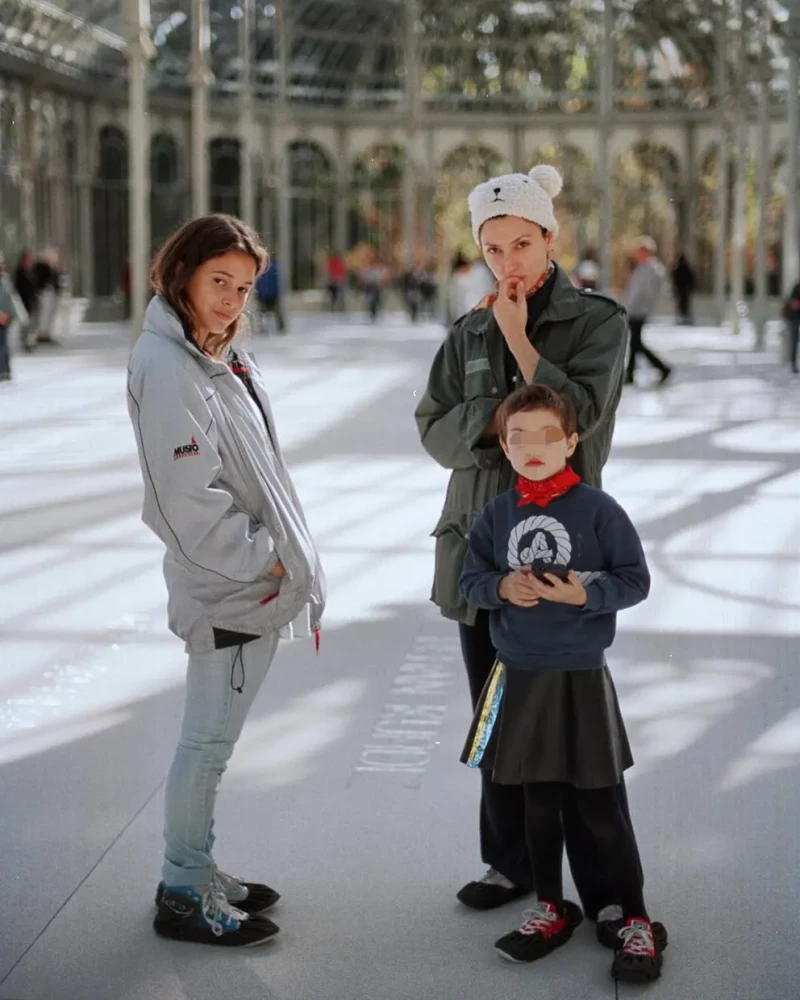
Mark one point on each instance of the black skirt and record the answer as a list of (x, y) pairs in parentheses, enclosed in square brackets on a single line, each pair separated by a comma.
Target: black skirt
[(549, 725)]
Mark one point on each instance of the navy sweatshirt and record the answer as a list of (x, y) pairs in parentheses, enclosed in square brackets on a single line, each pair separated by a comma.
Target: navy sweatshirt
[(585, 530)]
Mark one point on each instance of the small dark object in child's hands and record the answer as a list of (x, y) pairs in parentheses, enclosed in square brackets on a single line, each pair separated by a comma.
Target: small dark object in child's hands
[(539, 569)]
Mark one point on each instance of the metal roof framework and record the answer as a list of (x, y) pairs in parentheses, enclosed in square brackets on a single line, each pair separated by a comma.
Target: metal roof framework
[(479, 55)]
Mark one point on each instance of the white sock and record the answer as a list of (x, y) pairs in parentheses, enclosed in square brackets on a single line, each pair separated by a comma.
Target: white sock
[(493, 877)]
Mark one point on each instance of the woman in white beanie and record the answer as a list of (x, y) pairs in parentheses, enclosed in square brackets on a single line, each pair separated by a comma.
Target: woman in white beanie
[(536, 327)]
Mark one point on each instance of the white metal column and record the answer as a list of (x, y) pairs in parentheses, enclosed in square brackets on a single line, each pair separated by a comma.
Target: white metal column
[(201, 81), (791, 252), (764, 171), (24, 126), (341, 192), (689, 229), (285, 234), (737, 307), (603, 176), (139, 51), (85, 148), (247, 127), (281, 150), (409, 208), (721, 268), (413, 95)]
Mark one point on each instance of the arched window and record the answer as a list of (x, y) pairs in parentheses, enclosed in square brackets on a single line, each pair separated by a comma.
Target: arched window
[(71, 250), (112, 162), (163, 160), (645, 201), (111, 210), (225, 174), (376, 203), (311, 176), (168, 193)]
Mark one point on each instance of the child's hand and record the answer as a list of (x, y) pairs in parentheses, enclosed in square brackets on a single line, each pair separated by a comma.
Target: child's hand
[(571, 591), (516, 589)]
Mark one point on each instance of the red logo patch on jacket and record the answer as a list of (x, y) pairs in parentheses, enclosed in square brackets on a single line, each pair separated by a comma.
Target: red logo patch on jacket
[(186, 450)]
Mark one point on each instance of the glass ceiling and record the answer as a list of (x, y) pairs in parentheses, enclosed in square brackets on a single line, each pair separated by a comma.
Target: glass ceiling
[(473, 54)]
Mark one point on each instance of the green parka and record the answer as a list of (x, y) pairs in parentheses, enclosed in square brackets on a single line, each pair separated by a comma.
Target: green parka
[(582, 338)]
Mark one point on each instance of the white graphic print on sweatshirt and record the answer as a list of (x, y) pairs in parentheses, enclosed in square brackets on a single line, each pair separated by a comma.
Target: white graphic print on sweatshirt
[(543, 539)]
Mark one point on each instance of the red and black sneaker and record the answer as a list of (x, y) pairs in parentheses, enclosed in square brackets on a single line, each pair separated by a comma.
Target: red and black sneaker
[(547, 926), (640, 958), (610, 922)]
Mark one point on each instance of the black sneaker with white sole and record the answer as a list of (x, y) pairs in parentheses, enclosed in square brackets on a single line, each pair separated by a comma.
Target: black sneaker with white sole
[(547, 926), (639, 959), (252, 898), (204, 916), (489, 892)]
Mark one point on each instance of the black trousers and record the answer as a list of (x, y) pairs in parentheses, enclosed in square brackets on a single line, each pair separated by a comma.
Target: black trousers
[(637, 348), (794, 339), (5, 355), (502, 810), (601, 813), (684, 303)]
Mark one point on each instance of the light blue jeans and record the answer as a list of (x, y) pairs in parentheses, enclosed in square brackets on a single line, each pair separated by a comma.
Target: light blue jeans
[(212, 723)]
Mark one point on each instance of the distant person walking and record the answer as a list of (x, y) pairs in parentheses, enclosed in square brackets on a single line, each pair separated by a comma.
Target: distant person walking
[(641, 295), (10, 309), (587, 271), (26, 290), (47, 282), (684, 283), (791, 313), (269, 289), (336, 272)]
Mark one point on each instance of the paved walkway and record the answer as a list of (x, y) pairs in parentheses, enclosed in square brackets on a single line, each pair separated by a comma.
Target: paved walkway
[(346, 790)]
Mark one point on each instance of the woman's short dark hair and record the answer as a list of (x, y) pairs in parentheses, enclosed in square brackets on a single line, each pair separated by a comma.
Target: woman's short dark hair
[(538, 396), (192, 245)]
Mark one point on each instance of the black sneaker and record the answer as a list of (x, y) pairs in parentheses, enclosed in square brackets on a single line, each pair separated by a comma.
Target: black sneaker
[(665, 375), (251, 898), (547, 926), (489, 892), (610, 922), (639, 959), (204, 916)]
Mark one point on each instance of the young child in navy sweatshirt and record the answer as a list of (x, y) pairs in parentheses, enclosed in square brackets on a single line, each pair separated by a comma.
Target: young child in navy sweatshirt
[(554, 560)]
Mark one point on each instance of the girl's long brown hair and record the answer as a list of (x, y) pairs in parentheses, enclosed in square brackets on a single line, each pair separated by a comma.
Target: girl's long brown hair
[(192, 245)]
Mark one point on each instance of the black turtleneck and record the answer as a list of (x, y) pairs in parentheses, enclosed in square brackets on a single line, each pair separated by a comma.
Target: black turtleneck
[(536, 306)]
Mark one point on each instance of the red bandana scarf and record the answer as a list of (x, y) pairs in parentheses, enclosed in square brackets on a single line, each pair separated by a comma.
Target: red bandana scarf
[(543, 492)]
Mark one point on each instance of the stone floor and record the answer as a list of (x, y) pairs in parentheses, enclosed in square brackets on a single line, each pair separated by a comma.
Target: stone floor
[(368, 835)]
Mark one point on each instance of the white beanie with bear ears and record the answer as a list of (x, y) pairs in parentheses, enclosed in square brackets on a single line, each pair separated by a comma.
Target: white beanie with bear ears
[(527, 196)]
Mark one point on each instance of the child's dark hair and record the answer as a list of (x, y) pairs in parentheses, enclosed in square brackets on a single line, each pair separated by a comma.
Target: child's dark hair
[(193, 244), (538, 397)]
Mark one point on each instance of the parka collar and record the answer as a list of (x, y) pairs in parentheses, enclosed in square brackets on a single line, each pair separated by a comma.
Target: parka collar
[(161, 319)]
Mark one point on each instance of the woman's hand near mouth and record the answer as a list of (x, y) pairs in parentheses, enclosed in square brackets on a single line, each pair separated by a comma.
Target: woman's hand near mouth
[(511, 313), (511, 308)]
